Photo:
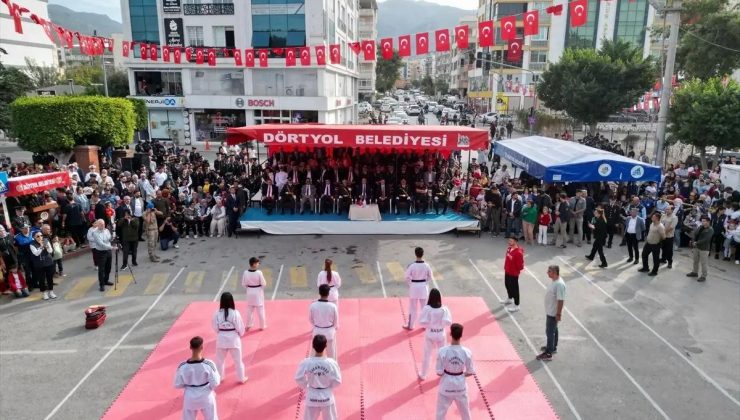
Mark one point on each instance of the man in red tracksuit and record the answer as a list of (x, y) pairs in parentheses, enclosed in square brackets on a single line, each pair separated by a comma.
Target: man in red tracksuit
[(513, 265)]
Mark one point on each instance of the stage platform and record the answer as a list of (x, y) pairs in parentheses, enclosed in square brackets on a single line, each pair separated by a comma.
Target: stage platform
[(379, 362), (332, 224)]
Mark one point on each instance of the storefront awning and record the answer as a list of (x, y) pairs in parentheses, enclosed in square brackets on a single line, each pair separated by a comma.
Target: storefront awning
[(31, 184), (383, 137)]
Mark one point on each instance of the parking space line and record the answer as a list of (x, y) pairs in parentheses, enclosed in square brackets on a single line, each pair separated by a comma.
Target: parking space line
[(380, 276), (364, 273), (298, 277), (607, 353), (124, 280), (397, 271), (277, 283), (194, 281), (115, 346), (159, 280), (223, 284), (530, 344), (656, 334), (81, 287), (436, 274)]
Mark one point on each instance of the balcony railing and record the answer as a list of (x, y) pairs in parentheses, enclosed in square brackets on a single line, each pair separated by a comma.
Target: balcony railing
[(537, 66), (209, 9)]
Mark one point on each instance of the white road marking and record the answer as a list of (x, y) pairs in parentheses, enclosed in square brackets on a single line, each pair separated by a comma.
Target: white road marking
[(660, 337), (608, 354), (35, 352), (223, 284), (115, 346), (380, 276), (141, 346), (277, 283), (434, 281), (531, 346)]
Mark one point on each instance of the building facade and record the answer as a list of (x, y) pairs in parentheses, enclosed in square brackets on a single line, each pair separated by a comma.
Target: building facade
[(32, 43), (191, 103), (367, 28)]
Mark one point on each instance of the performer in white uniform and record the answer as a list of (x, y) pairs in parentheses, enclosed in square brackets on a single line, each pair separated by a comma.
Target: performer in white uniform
[(318, 375), (418, 274), (254, 281), (229, 328), (199, 377), (435, 318), (324, 318), (454, 364), (327, 276)]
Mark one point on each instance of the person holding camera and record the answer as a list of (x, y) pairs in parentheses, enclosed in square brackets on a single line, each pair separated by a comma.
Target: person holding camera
[(701, 240), (43, 264), (168, 233), (129, 228), (99, 239)]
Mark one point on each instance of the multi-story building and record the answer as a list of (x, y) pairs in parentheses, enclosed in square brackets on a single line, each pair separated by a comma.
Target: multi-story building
[(510, 85), (32, 43), (193, 102), (367, 29)]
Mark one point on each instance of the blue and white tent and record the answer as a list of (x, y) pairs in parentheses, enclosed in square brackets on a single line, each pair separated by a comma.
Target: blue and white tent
[(554, 160)]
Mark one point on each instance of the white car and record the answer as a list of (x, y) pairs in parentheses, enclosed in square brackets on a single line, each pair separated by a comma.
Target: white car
[(488, 117), (364, 107), (413, 110), (394, 121), (386, 107)]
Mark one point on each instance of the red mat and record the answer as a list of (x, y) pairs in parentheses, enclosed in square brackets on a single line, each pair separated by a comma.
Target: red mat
[(379, 362)]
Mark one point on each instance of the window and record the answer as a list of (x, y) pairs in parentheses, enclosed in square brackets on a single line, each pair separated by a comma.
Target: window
[(195, 36), (155, 83), (538, 57), (144, 23), (509, 9), (223, 36), (584, 36), (217, 82), (278, 23), (631, 21), (295, 82)]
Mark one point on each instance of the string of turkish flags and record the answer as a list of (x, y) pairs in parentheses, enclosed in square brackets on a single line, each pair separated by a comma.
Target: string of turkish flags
[(94, 45)]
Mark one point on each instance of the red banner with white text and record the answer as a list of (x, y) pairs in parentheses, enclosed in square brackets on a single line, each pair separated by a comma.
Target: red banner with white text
[(31, 184)]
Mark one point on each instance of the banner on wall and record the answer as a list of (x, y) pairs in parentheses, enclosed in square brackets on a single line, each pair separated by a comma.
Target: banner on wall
[(171, 6), (173, 32)]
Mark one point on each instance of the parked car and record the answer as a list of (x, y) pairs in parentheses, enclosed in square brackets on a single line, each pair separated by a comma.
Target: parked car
[(394, 121), (488, 117), (413, 110), (364, 107), (386, 107)]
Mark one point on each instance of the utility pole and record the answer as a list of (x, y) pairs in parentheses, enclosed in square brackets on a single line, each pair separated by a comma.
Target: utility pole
[(673, 18)]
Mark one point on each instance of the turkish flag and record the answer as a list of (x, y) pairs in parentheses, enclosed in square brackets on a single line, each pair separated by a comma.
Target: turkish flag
[(226, 52), (278, 51), (556, 10), (335, 54), (422, 43), (110, 42), (249, 58), (199, 59), (166, 53), (143, 50), (16, 11), (355, 47), (189, 54), (263, 58), (368, 48), (461, 36), (69, 38), (320, 55), (238, 57), (153, 50), (178, 55), (442, 40), (486, 34), (514, 52), (508, 27), (404, 45), (212, 57), (290, 58), (124, 48), (532, 23), (386, 48), (578, 12), (305, 56)]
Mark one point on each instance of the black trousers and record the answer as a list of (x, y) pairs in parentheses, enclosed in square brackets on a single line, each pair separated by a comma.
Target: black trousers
[(586, 230), (78, 233), (441, 204), (598, 246), (129, 248), (512, 287), (667, 250), (610, 230), (104, 260), (647, 250), (45, 277), (632, 246)]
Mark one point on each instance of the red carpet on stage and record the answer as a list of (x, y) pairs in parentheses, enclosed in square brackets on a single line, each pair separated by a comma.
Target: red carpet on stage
[(379, 362)]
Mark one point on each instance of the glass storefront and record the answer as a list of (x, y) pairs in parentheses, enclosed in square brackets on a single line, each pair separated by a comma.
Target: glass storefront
[(211, 124), (276, 116), (165, 124)]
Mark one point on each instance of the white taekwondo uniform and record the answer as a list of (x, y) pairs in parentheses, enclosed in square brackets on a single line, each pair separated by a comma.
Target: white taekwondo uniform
[(229, 330), (435, 321), (324, 318), (318, 376), (254, 282), (454, 363), (336, 283), (418, 275), (199, 379)]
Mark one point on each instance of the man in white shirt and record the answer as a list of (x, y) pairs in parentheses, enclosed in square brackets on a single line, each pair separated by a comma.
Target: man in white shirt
[(554, 302), (454, 364), (418, 275), (199, 378), (319, 375), (160, 177), (500, 176), (324, 318), (281, 178)]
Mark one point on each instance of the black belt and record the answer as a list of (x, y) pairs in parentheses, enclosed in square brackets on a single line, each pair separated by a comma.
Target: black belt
[(330, 326), (198, 386), (452, 374), (317, 388), (250, 286), (227, 329), (418, 281)]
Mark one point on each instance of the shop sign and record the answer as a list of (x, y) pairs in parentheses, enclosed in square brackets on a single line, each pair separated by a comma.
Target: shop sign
[(162, 101), (171, 6), (173, 32)]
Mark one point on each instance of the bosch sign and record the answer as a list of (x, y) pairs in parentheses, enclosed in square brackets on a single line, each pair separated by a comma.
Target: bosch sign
[(261, 103)]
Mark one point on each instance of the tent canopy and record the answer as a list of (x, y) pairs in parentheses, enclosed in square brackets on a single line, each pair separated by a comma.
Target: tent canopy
[(554, 160), (367, 137)]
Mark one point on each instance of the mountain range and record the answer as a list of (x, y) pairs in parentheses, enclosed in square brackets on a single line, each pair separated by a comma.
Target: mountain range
[(84, 22), (401, 17)]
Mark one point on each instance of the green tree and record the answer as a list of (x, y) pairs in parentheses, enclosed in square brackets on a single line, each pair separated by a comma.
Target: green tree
[(77, 120), (386, 72), (13, 84), (441, 87), (118, 84), (141, 112), (709, 39), (705, 113), (85, 74), (416, 83), (590, 85), (427, 85), (41, 76)]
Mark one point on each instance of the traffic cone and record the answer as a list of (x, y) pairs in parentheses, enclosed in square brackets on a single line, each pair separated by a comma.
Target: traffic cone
[(208, 145)]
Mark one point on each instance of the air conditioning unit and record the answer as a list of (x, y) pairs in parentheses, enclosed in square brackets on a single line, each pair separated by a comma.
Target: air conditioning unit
[(200, 74), (301, 91)]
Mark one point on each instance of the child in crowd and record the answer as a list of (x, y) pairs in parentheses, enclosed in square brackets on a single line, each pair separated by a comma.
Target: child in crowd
[(544, 221), (57, 255), (17, 282)]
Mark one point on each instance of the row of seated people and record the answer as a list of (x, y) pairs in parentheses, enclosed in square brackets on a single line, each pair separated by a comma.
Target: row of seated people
[(333, 197)]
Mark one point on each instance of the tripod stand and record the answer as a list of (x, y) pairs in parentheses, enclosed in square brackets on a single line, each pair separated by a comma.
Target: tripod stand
[(118, 245)]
